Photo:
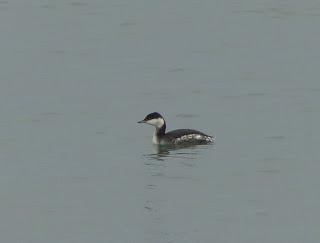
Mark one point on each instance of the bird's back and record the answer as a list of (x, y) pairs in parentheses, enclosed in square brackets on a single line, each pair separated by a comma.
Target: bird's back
[(186, 136)]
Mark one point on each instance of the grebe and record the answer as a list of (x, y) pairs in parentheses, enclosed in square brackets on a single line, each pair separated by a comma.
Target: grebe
[(175, 137)]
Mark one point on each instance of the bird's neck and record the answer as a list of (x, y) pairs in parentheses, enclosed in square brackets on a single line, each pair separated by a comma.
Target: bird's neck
[(161, 130)]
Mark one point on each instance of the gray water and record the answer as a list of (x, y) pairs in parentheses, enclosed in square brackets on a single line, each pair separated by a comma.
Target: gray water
[(75, 78)]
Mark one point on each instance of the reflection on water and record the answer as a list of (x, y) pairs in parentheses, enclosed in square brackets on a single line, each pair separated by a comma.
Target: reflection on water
[(163, 153), (165, 169)]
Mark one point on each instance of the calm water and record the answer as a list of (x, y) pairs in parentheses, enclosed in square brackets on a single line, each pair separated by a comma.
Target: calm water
[(75, 78)]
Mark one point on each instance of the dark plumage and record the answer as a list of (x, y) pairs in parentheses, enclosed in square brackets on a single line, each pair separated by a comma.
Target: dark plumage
[(175, 137)]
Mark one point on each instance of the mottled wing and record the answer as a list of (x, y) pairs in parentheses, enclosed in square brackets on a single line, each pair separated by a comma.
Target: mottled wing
[(181, 136)]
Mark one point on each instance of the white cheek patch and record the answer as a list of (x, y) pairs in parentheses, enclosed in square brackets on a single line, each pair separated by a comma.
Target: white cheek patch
[(156, 122)]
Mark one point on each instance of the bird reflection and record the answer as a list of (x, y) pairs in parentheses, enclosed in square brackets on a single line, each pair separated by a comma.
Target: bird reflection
[(165, 165), (163, 153)]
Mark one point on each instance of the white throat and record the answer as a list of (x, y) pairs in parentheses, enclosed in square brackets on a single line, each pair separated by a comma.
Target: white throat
[(155, 138)]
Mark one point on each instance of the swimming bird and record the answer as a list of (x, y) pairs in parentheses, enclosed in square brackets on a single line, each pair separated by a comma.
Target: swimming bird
[(175, 137)]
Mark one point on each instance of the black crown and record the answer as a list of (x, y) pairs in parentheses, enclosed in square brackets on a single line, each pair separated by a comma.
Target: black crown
[(153, 115)]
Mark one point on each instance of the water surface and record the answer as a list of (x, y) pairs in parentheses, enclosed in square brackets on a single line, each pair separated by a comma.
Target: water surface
[(75, 78)]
